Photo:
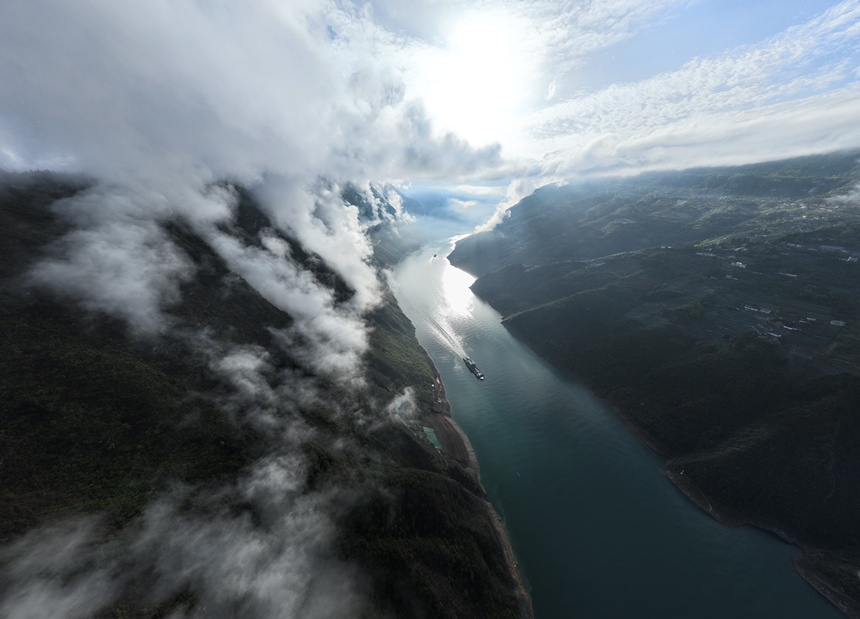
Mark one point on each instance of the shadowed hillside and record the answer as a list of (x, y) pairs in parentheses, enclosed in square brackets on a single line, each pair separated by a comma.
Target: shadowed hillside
[(717, 310), (173, 464)]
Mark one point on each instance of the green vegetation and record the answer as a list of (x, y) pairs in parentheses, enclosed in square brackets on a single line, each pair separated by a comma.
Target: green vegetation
[(719, 311), (428, 538), (95, 420), (395, 358), (600, 218), (90, 424)]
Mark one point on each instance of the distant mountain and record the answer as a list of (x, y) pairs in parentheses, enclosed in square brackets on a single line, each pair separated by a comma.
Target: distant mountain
[(719, 311), (233, 459), (390, 218), (599, 218)]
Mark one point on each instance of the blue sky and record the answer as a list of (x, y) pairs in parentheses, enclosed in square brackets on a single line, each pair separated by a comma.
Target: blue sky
[(617, 87), (576, 83), (703, 29), (442, 93)]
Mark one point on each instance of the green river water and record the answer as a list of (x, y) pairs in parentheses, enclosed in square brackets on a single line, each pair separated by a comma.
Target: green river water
[(597, 529)]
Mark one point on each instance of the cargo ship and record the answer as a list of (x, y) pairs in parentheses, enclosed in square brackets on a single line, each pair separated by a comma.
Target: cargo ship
[(473, 368)]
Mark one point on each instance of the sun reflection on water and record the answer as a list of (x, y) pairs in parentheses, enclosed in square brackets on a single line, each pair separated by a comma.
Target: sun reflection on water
[(458, 299)]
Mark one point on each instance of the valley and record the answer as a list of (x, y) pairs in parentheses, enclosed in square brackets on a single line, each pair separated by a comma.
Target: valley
[(730, 345)]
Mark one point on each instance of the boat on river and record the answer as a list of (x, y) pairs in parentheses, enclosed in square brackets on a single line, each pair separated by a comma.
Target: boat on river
[(473, 368)]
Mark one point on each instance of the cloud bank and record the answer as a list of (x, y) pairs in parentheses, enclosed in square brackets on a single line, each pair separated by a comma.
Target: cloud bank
[(279, 567), (261, 90), (159, 100), (166, 106), (795, 93)]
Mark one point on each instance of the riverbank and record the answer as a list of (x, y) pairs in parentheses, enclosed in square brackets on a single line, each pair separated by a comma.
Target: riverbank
[(457, 446), (807, 566), (590, 512), (638, 431)]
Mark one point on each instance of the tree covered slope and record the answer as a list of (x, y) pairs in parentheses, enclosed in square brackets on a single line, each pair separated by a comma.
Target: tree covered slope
[(221, 464), (718, 311)]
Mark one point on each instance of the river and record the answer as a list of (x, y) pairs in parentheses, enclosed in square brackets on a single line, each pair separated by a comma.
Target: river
[(597, 529)]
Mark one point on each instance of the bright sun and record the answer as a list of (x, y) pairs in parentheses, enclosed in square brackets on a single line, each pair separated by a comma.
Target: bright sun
[(482, 78)]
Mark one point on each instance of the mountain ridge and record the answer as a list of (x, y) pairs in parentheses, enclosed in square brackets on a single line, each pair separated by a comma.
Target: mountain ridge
[(728, 344), (135, 447)]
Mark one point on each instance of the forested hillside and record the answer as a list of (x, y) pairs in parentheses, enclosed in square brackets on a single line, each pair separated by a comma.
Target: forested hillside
[(231, 458), (718, 311)]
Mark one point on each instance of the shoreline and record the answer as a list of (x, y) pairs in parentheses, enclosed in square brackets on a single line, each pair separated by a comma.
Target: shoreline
[(455, 443), (804, 566), (460, 449), (806, 569)]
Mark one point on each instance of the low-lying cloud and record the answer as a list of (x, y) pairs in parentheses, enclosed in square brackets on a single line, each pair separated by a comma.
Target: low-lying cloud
[(278, 563), (131, 271), (158, 101), (166, 105)]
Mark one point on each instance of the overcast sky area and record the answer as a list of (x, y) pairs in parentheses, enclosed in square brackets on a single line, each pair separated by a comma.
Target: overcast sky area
[(443, 92)]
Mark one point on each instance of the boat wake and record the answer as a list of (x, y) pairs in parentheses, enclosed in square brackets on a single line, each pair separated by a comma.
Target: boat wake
[(445, 335)]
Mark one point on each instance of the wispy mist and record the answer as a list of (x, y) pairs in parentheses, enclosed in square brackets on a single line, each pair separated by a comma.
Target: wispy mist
[(272, 560), (165, 106)]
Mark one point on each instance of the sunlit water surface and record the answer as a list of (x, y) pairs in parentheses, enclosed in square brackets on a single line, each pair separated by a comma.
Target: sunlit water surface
[(596, 527)]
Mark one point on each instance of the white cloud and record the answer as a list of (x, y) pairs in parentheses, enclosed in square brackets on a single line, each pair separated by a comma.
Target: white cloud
[(328, 337), (488, 191), (44, 569), (191, 91), (573, 30), (517, 190), (463, 204), (127, 269), (851, 197), (403, 405), (324, 224), (801, 79), (157, 100), (284, 566)]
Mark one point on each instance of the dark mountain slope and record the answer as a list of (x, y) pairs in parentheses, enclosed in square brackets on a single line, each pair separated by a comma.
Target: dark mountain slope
[(736, 354), (594, 219), (95, 420)]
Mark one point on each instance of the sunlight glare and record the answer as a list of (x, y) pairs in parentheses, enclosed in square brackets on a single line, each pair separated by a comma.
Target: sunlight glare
[(459, 299), (483, 77)]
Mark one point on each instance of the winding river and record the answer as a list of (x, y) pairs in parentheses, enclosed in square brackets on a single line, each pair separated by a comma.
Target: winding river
[(597, 529)]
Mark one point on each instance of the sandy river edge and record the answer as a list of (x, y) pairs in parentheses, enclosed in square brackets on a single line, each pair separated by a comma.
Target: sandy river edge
[(457, 446)]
